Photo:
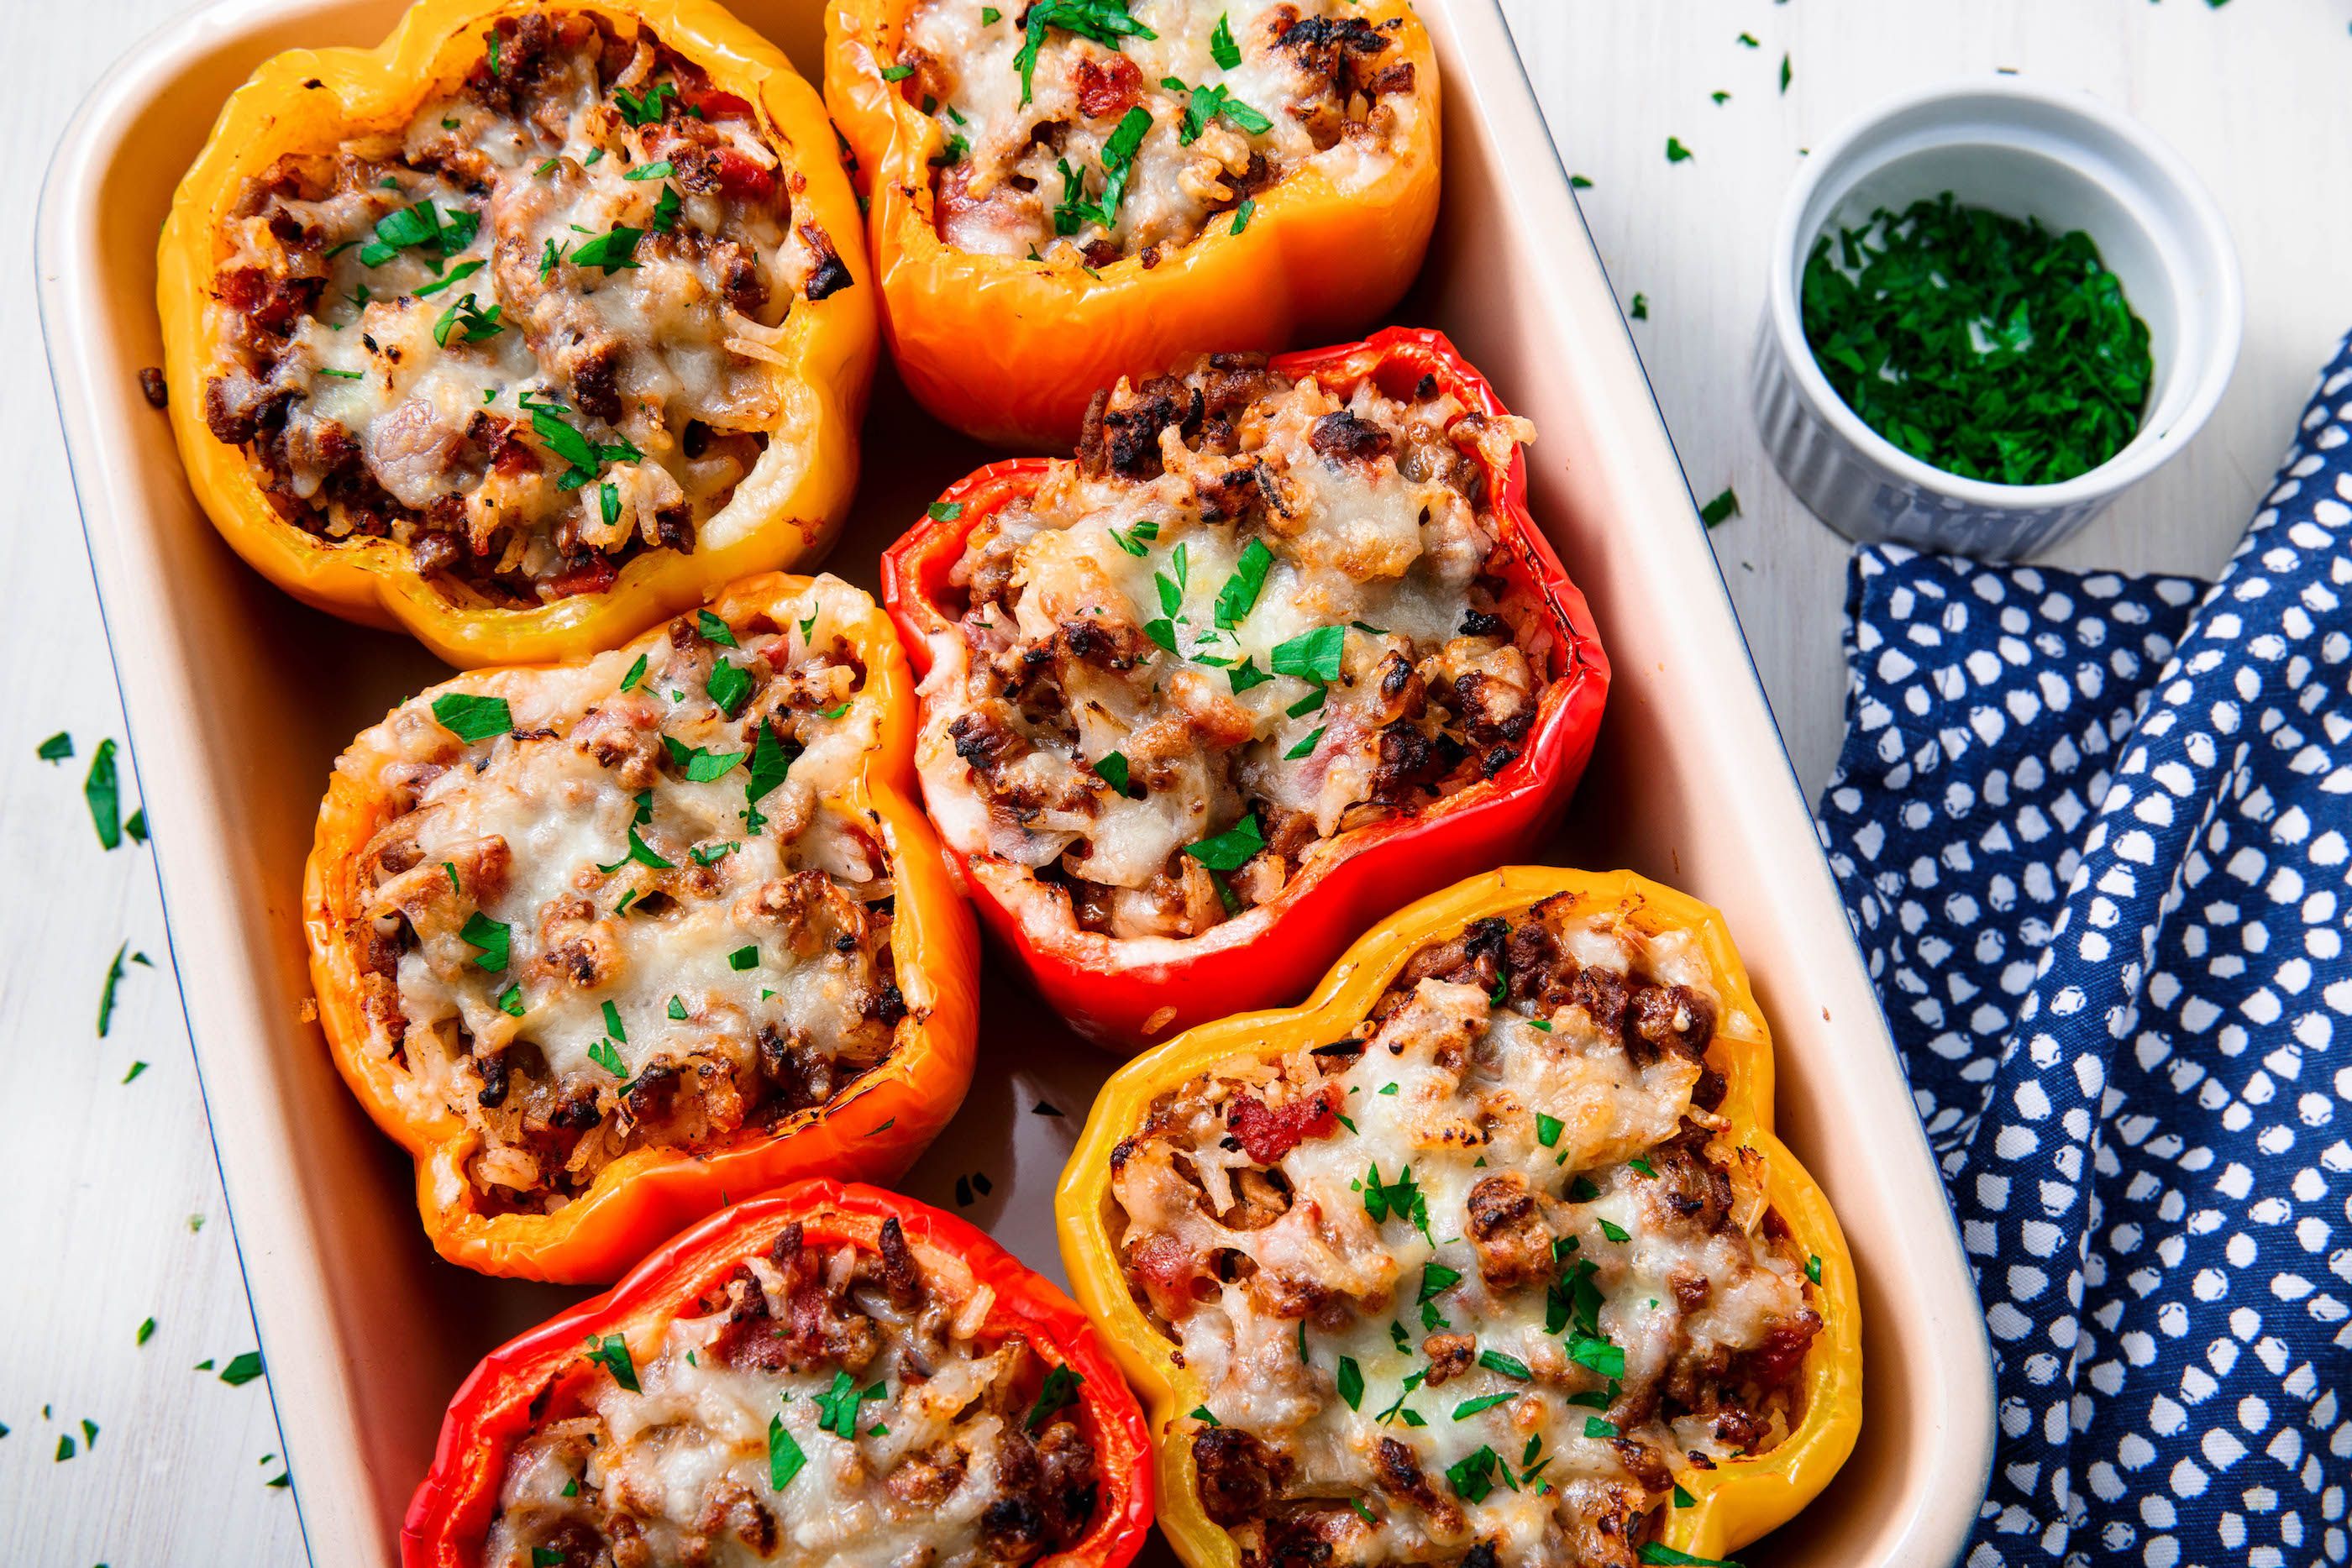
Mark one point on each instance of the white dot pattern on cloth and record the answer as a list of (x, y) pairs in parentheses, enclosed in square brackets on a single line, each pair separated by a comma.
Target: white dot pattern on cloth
[(2095, 835)]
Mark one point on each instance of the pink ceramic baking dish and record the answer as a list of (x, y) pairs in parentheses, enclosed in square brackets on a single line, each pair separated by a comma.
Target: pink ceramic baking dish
[(239, 699)]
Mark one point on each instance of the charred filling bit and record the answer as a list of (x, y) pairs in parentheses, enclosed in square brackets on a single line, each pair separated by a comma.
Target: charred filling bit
[(530, 334), (821, 1406), (626, 909), (1084, 134), (1474, 1283), (1252, 615)]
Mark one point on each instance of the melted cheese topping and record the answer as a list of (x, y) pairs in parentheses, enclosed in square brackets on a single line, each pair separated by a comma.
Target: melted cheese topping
[(629, 901), (1250, 630), (1386, 1281), (940, 1457), (1033, 164), (453, 368)]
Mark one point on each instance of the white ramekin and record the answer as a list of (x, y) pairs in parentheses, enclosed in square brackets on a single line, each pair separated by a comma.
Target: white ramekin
[(2024, 150)]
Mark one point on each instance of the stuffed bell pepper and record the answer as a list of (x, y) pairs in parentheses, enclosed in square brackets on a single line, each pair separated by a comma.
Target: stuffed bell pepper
[(1070, 191), (1280, 650), (536, 324), (601, 943), (1486, 1256), (830, 1375)]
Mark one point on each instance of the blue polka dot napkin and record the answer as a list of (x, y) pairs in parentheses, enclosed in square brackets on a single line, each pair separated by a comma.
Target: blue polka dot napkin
[(2094, 832)]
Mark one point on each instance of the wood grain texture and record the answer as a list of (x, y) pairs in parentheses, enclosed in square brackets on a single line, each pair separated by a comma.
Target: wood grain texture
[(102, 1178)]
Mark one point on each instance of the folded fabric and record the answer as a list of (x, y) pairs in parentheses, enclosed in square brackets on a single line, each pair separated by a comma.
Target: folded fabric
[(2093, 833)]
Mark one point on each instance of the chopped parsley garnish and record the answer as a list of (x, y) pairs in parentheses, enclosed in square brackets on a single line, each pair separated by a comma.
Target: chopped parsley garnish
[(1639, 310), (103, 792), (1508, 1366), (510, 1001), (835, 711), (420, 228), (1436, 1278), (242, 1369), (56, 748), (615, 251), (837, 1406), (552, 257), (1243, 213), (661, 170), (585, 456), (1239, 594), (1644, 1166), (468, 313), (1246, 674), (1206, 104), (1306, 747), (645, 109), (1221, 47), (1656, 1552), (106, 992), (744, 957), (1675, 152), (613, 1350), (1137, 540), (1104, 21), (146, 1331), (990, 15), (606, 1056), (1231, 850), (1201, 1413), (1723, 507), (784, 1456), (639, 853), (1475, 1476), (1615, 1231), (1683, 1498), (678, 1008), (944, 511), (665, 210), (1074, 211), (1991, 348), (494, 937), (1112, 769), (1470, 1407), (1593, 1352), (729, 686), (715, 630), (700, 766), (1582, 1190), (1813, 1269), (1352, 1382), (608, 504), (1311, 656), (769, 762), (613, 1024), (1401, 1197), (637, 672), (1308, 704), (1595, 1427), (1784, 75), (896, 73), (470, 717), (457, 274), (1548, 1129)]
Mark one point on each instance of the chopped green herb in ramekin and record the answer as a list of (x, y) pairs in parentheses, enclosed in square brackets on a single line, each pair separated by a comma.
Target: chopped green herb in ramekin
[(1990, 348)]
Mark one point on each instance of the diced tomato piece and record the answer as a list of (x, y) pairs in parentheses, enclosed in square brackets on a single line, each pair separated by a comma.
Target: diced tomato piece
[(591, 574), (715, 104), (1267, 1134), (1108, 89), (1169, 1271), (741, 177)]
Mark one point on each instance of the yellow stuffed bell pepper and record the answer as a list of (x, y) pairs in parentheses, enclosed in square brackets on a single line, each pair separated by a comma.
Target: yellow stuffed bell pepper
[(1060, 197), (538, 323), (1485, 1253)]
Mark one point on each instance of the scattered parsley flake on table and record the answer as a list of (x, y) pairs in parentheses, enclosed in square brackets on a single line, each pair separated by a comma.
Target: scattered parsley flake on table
[(1675, 152), (1724, 507), (1640, 309)]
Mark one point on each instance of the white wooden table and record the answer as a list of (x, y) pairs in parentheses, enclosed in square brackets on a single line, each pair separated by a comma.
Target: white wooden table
[(106, 1183)]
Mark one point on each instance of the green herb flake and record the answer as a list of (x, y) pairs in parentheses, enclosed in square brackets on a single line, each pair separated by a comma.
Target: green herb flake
[(1494, 1361), (1113, 770), (1784, 76), (106, 992), (1640, 309), (944, 511), (1352, 1382), (1231, 850), (1724, 506), (612, 1352), (1683, 1498), (1485, 1402), (896, 73), (661, 170), (647, 109), (1104, 21), (613, 251), (1813, 1269), (744, 957), (65, 1446), (604, 1054), (1597, 1355), (1246, 674), (1675, 152), (1311, 656), (457, 274), (1595, 1426), (990, 15), (637, 672), (1060, 1391), (1579, 183), (1221, 47), (494, 937), (1644, 1166), (729, 686), (510, 1000), (242, 1369), (1473, 1477), (715, 630), (678, 1008), (784, 1455), (470, 717), (1306, 747), (1243, 213), (56, 748), (1985, 346), (103, 792), (1548, 1129), (146, 1331), (1240, 593), (136, 1069), (1658, 1552), (1615, 1231)]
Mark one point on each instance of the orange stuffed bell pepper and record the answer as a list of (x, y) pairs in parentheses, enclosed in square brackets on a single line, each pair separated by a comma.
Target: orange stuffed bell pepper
[(1487, 1253), (537, 323), (601, 943), (1070, 192), (1280, 649), (828, 1375)]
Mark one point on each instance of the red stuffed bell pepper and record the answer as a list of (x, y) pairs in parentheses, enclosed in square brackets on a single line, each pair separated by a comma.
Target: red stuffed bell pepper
[(831, 1373), (1278, 651)]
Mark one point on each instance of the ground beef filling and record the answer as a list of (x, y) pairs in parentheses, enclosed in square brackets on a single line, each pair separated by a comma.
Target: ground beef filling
[(521, 336), (1465, 1289), (638, 923), (957, 1452), (1088, 142), (1251, 616)]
